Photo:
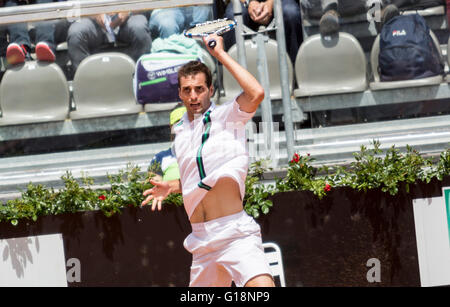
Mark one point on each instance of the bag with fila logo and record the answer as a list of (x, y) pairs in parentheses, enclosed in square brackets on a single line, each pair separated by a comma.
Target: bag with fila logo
[(407, 50), (156, 77)]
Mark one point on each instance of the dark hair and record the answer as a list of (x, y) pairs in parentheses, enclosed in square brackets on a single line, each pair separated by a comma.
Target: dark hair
[(192, 68)]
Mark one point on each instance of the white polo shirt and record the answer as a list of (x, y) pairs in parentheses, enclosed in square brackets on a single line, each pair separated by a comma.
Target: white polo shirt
[(210, 147)]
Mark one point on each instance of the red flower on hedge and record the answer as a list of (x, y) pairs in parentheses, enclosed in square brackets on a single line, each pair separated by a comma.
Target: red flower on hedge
[(296, 158), (327, 188), (102, 197)]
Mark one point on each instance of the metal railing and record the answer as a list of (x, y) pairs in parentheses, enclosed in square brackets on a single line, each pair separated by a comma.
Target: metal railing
[(266, 107), (74, 9)]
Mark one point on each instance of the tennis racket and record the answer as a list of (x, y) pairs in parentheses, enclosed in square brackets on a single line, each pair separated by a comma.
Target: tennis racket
[(217, 27)]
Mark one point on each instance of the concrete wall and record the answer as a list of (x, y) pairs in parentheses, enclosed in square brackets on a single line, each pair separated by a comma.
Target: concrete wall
[(346, 239)]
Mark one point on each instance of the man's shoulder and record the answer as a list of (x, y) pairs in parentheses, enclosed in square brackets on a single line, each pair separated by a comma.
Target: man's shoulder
[(231, 111)]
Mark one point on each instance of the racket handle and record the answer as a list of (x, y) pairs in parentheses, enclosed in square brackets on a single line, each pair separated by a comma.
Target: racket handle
[(212, 43)]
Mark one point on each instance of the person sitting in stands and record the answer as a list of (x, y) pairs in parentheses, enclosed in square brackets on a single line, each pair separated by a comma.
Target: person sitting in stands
[(260, 12), (87, 35), (20, 43), (332, 9), (165, 22)]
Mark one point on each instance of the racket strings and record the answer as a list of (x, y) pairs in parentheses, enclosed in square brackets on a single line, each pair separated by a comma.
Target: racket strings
[(209, 28)]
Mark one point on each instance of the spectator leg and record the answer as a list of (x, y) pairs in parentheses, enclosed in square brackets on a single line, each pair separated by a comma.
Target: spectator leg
[(229, 37), (292, 27), (136, 33), (45, 30), (165, 22), (61, 30), (3, 41), (84, 36), (199, 14), (18, 32)]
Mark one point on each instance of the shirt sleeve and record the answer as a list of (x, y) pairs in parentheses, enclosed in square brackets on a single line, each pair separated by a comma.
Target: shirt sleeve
[(233, 112)]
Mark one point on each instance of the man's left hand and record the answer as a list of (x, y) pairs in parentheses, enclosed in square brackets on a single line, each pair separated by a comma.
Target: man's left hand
[(120, 20), (219, 44)]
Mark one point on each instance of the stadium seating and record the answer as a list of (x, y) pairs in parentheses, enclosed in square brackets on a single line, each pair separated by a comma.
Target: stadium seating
[(330, 65), (34, 92), (232, 88), (103, 86), (376, 84)]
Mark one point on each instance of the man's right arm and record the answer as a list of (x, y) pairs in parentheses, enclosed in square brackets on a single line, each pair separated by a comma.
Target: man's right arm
[(253, 92), (160, 191)]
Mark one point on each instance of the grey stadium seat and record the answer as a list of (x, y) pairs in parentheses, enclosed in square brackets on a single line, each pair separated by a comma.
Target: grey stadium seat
[(103, 86), (232, 88), (330, 65), (34, 92), (383, 85)]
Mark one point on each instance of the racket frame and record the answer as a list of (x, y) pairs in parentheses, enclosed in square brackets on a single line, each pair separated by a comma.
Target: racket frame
[(219, 31)]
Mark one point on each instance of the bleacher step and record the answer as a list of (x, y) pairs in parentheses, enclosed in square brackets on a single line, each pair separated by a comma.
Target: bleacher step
[(47, 169)]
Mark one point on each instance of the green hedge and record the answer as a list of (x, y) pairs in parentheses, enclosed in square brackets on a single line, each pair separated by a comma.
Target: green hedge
[(372, 169)]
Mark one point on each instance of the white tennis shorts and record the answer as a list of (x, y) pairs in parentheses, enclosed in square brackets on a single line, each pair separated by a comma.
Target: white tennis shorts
[(224, 250)]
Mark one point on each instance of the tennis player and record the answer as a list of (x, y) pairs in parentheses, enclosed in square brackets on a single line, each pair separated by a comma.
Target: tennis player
[(210, 148)]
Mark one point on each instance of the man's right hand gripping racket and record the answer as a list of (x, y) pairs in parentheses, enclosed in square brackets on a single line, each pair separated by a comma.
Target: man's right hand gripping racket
[(205, 29)]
